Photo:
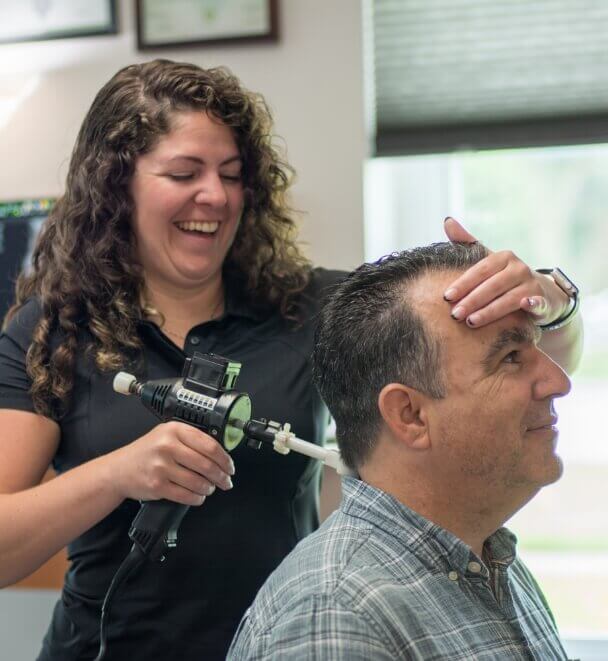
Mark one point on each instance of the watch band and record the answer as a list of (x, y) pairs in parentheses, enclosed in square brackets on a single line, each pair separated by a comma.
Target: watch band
[(570, 289)]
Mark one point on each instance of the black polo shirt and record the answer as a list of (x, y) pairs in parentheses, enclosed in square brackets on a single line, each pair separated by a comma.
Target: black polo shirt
[(189, 606)]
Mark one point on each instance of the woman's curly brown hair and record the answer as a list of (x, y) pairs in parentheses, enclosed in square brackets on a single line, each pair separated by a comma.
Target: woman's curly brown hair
[(85, 270)]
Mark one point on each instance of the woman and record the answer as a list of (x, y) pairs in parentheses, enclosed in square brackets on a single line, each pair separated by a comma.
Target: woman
[(173, 235)]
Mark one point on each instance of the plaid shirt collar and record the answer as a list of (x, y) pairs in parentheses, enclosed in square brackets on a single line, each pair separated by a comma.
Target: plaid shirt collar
[(440, 549)]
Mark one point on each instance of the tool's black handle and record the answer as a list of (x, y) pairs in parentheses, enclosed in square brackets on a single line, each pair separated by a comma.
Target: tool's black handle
[(155, 527)]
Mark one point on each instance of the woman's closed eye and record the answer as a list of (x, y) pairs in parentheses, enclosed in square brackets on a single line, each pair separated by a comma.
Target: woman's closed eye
[(188, 176), (231, 177), (181, 176)]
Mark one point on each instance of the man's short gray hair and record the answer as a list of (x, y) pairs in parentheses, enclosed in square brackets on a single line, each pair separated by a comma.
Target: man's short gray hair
[(369, 335)]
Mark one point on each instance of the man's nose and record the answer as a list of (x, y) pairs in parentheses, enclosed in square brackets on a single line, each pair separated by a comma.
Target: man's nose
[(552, 381), (211, 191)]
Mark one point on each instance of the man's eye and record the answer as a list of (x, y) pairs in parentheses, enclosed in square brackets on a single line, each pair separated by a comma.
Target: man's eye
[(512, 357)]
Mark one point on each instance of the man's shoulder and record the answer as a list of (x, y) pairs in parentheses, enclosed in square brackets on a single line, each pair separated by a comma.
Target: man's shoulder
[(321, 559), (345, 563), (343, 583)]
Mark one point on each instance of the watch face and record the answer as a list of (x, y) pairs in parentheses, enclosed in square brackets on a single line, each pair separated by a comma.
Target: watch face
[(564, 282)]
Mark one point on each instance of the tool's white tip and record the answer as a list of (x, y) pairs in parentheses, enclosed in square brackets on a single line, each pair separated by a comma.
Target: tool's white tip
[(122, 383)]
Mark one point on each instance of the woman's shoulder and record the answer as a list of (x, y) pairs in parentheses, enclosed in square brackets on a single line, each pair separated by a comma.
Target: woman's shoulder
[(24, 321), (323, 281)]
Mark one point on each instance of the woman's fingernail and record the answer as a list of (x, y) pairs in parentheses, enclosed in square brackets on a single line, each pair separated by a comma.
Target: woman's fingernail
[(445, 220), (232, 469), (472, 320), (228, 483), (531, 302), (449, 294), (210, 489), (457, 313)]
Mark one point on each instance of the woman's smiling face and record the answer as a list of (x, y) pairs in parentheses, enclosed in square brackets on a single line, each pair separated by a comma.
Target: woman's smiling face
[(188, 200)]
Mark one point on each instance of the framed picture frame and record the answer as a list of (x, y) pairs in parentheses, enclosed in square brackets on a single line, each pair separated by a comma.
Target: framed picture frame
[(38, 20), (162, 24)]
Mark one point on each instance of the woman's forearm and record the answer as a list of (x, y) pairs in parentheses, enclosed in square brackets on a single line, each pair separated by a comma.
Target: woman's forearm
[(38, 522)]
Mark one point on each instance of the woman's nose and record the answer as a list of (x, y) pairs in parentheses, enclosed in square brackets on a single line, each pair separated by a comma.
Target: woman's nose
[(211, 192)]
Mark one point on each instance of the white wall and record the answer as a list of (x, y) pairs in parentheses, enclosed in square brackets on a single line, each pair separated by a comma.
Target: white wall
[(313, 81)]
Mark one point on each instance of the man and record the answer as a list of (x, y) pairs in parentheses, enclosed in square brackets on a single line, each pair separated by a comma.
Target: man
[(451, 430)]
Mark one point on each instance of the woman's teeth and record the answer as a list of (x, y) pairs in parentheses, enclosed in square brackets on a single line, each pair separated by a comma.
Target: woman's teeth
[(206, 228)]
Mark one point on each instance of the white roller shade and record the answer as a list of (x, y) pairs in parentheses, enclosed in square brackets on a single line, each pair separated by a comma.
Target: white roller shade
[(488, 73)]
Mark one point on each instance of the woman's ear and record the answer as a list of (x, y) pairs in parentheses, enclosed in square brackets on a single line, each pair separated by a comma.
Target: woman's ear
[(400, 408)]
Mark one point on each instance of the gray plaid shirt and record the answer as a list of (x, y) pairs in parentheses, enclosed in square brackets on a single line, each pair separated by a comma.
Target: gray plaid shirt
[(379, 582)]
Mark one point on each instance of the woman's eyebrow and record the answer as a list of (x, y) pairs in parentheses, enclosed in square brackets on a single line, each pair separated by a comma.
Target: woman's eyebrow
[(201, 161)]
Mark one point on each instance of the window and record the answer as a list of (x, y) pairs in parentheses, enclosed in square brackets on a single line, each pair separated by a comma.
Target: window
[(550, 207), (449, 74)]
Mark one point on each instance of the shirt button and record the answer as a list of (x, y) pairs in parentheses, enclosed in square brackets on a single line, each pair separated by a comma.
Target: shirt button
[(453, 575), (195, 340), (474, 567)]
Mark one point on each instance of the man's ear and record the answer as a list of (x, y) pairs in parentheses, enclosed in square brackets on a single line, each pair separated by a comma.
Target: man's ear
[(400, 409)]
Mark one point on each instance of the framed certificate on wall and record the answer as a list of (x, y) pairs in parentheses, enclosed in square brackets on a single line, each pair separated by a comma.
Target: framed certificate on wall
[(36, 20), (162, 24)]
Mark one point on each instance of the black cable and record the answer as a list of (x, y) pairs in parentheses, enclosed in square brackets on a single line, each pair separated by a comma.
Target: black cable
[(135, 559)]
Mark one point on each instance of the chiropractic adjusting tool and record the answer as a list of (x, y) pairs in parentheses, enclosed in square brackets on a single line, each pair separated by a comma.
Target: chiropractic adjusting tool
[(204, 397)]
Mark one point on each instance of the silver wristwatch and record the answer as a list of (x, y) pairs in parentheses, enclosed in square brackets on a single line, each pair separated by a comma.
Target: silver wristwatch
[(570, 289)]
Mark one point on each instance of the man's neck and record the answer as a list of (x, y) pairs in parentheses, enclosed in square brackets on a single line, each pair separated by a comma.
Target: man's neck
[(468, 516)]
